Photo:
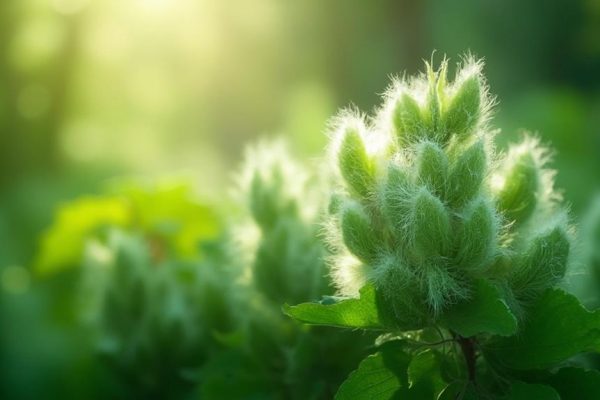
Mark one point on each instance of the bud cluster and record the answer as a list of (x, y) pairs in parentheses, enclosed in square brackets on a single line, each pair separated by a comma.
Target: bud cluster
[(156, 318), (426, 205), (287, 258)]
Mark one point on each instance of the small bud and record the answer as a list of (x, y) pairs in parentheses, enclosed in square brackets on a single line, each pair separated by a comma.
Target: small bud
[(467, 173), (354, 163), (432, 110), (401, 290), (358, 234), (267, 200), (429, 225), (408, 119), (477, 236), (397, 191), (261, 204), (517, 194), (463, 111), (432, 167), (270, 258), (544, 263), (442, 288)]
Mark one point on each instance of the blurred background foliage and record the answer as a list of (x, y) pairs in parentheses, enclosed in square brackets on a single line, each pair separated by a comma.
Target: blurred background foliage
[(92, 90)]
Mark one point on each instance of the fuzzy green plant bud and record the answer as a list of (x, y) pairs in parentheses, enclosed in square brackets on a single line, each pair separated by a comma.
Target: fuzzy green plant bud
[(150, 308), (543, 264), (400, 285), (358, 233), (467, 172), (281, 242), (432, 167), (407, 119), (268, 198), (441, 287), (519, 187), (429, 230), (397, 192), (437, 214), (463, 109), (432, 111), (354, 163), (477, 236)]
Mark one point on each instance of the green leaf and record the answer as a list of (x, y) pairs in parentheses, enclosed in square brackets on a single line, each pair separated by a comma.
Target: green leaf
[(485, 312), (526, 391), (229, 375), (170, 210), (379, 376), (557, 327), (63, 243), (424, 375), (575, 383), (458, 390), (363, 312), (167, 213)]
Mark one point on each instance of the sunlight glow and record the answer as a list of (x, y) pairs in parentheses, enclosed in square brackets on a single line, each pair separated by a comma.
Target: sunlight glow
[(497, 182), (69, 7)]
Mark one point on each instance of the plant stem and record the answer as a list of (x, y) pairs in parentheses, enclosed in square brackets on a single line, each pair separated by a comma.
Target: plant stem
[(467, 346)]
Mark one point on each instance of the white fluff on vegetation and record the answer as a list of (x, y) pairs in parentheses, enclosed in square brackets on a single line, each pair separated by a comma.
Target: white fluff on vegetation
[(424, 205)]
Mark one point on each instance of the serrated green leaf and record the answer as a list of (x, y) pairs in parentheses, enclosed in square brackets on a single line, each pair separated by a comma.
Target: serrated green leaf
[(363, 312), (485, 312), (557, 327), (526, 391), (575, 383), (380, 376)]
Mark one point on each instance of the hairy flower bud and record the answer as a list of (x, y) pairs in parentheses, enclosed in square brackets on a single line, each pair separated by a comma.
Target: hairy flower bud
[(467, 173), (408, 119), (432, 112), (354, 163), (544, 263), (396, 195), (358, 233), (463, 111), (477, 236), (436, 215), (266, 201), (517, 195), (432, 167), (429, 225)]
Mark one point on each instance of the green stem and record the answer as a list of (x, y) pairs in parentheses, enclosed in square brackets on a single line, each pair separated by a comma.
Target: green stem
[(467, 346)]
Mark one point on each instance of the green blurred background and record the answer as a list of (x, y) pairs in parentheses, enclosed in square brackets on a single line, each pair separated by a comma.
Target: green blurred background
[(96, 89)]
